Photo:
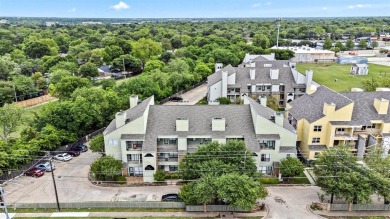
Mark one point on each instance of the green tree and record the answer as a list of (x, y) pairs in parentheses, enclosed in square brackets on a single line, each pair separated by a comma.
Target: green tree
[(363, 44), (224, 100), (106, 169), (350, 44), (261, 40), (239, 190), (97, 143), (67, 86), (6, 92), (339, 177), (291, 167), (24, 86), (7, 67), (36, 49), (11, 117), (202, 71), (108, 83), (145, 48), (131, 63), (153, 64), (328, 43), (374, 44), (340, 45), (88, 70)]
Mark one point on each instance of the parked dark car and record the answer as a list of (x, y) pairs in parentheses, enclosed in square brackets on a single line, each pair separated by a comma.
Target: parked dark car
[(175, 98), (74, 153), (80, 148), (34, 172), (170, 198)]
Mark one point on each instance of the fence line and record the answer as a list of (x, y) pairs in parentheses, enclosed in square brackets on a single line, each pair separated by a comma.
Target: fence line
[(7, 176), (360, 207), (213, 208), (124, 204), (35, 101)]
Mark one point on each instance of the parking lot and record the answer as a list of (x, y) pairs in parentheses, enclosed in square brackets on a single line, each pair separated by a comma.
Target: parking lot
[(73, 186)]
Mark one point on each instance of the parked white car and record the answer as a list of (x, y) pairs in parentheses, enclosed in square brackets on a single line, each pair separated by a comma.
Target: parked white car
[(45, 166), (63, 157)]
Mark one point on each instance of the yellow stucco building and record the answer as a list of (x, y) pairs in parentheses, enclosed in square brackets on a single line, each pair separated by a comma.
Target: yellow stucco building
[(324, 118)]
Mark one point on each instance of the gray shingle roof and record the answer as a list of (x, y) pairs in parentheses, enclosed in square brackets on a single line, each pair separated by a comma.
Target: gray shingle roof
[(268, 112), (262, 75), (162, 121), (131, 114), (217, 76), (364, 110), (310, 107), (287, 149)]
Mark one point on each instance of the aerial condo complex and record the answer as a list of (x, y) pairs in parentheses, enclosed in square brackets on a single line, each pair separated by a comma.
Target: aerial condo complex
[(194, 109)]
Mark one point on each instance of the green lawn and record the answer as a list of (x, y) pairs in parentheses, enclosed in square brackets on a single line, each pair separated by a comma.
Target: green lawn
[(326, 73)]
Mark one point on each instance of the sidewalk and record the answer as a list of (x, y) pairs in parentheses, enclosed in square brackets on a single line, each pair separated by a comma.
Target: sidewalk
[(138, 214), (353, 213)]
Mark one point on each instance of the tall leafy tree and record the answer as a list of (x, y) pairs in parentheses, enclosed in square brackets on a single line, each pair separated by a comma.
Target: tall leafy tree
[(145, 48), (36, 49), (67, 86), (350, 44), (11, 117), (328, 43), (88, 70), (290, 167)]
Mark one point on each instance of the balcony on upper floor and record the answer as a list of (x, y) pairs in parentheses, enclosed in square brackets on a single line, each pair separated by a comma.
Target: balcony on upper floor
[(168, 157), (167, 145), (134, 145)]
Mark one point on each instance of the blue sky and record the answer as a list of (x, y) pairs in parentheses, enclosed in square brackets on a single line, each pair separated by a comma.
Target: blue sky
[(193, 8)]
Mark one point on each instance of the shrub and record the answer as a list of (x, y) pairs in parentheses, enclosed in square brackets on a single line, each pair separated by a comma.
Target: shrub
[(159, 176), (272, 180), (121, 179), (224, 100)]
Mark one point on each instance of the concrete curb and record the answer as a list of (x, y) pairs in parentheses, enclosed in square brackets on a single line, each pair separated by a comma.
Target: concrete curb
[(311, 211)]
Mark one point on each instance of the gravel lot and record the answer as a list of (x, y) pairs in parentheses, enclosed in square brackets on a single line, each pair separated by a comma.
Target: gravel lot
[(73, 186)]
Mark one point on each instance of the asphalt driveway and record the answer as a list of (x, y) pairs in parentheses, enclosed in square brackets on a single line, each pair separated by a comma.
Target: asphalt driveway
[(192, 96)]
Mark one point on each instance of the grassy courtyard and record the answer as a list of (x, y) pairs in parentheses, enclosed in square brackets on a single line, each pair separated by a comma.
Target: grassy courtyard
[(337, 76)]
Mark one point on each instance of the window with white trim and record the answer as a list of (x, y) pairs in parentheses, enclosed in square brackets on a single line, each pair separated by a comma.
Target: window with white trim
[(265, 157)]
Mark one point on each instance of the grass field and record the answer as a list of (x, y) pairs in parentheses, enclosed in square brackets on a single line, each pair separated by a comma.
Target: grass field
[(327, 73)]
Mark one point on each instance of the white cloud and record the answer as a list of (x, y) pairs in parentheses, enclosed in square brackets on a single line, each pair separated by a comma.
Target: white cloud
[(324, 8), (121, 5), (73, 10), (359, 6), (256, 5)]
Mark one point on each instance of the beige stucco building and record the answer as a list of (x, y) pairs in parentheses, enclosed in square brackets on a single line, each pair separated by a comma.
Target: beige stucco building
[(324, 118), (148, 136)]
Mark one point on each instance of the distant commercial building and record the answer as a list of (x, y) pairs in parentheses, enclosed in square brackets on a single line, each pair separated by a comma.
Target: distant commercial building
[(148, 137), (50, 23), (310, 55), (91, 23)]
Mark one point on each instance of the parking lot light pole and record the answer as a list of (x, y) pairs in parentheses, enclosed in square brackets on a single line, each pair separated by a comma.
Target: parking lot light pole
[(55, 187)]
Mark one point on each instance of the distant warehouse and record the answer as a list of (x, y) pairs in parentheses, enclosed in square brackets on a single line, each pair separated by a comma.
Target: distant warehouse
[(308, 54)]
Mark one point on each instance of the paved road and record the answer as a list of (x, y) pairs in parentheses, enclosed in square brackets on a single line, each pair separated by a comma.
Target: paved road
[(73, 186), (192, 96), (290, 202)]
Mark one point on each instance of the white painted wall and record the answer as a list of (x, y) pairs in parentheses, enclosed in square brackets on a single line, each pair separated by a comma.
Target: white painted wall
[(215, 91)]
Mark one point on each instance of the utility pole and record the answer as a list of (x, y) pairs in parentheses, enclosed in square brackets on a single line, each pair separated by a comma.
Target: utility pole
[(3, 204), (54, 184), (16, 99), (277, 37), (124, 69)]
